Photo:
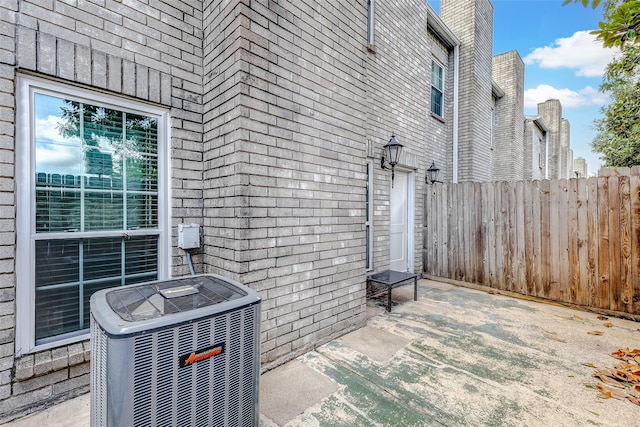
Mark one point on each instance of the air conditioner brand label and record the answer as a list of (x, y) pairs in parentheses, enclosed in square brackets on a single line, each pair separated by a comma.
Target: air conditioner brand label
[(200, 355)]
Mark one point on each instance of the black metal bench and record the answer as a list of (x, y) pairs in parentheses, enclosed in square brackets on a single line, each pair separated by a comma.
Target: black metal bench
[(390, 279)]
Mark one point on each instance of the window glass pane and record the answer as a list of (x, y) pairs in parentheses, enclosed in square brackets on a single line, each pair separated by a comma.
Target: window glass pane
[(103, 211), (57, 210), (142, 134), (102, 258), (141, 212), (84, 147), (140, 258), (56, 311), (436, 75), (436, 101), (58, 146), (437, 87), (88, 290), (142, 173), (57, 262)]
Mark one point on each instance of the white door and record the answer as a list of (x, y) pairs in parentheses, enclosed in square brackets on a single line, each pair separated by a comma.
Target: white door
[(399, 228)]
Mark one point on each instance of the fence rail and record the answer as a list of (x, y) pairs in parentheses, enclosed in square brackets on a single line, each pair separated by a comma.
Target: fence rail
[(574, 241)]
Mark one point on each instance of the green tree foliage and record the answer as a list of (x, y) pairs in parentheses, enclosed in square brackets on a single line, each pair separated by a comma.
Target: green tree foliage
[(621, 24), (618, 137)]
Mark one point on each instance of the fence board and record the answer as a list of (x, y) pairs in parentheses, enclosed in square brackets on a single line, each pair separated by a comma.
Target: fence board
[(536, 231), (491, 234), (603, 242), (444, 230), (499, 251), (478, 232), (467, 261), (528, 238), (520, 278), (625, 245), (453, 230), (572, 219), (554, 242), (583, 247), (461, 243), (614, 243), (509, 234), (545, 238), (592, 237), (634, 193), (563, 242)]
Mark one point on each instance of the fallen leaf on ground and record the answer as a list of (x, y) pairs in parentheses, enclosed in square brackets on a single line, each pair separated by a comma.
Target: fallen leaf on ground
[(577, 317), (557, 339), (607, 392), (608, 324), (549, 331), (622, 382), (606, 378), (601, 317), (594, 333), (633, 400)]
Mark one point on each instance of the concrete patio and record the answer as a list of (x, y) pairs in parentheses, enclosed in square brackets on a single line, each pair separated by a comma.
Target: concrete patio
[(455, 357)]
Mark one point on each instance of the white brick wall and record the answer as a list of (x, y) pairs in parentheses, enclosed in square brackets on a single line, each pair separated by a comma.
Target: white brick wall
[(284, 168), (551, 112), (509, 148), (472, 22)]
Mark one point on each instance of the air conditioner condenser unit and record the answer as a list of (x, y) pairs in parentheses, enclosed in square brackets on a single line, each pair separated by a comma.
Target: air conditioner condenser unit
[(181, 352)]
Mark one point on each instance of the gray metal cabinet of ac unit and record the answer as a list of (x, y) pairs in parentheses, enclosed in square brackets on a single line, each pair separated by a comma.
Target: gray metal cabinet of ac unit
[(182, 352)]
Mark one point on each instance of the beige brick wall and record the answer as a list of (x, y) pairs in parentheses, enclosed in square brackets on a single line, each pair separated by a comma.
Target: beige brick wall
[(566, 151), (472, 22), (508, 134), (551, 112), (535, 150), (284, 164)]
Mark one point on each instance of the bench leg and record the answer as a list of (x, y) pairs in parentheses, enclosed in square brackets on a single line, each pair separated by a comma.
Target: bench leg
[(415, 289), (389, 299)]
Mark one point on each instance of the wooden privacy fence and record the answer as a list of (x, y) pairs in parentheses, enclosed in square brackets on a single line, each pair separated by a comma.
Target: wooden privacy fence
[(574, 241)]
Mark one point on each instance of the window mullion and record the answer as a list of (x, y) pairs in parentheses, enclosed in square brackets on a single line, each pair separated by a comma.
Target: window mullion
[(123, 258), (124, 172), (81, 283), (82, 177)]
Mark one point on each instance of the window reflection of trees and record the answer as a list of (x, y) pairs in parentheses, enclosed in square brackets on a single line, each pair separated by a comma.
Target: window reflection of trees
[(118, 188)]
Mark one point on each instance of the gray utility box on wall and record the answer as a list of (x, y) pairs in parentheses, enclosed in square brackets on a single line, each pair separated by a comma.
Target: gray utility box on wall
[(182, 352)]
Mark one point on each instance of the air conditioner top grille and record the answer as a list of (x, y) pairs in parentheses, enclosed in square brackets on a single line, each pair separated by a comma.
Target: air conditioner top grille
[(134, 309), (155, 300)]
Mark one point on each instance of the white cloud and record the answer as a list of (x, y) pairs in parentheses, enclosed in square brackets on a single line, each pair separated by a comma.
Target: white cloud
[(585, 97), (55, 153), (581, 52)]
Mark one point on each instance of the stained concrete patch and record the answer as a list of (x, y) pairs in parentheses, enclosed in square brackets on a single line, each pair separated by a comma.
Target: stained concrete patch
[(290, 389), (374, 343)]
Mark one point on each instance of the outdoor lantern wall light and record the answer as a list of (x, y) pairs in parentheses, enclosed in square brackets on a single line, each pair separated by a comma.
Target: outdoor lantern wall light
[(390, 155), (431, 174)]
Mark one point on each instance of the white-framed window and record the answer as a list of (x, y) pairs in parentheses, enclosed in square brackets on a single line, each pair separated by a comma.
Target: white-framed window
[(437, 89), (92, 204), (369, 217)]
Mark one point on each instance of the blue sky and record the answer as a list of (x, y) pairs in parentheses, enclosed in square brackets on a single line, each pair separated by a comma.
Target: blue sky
[(562, 61)]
